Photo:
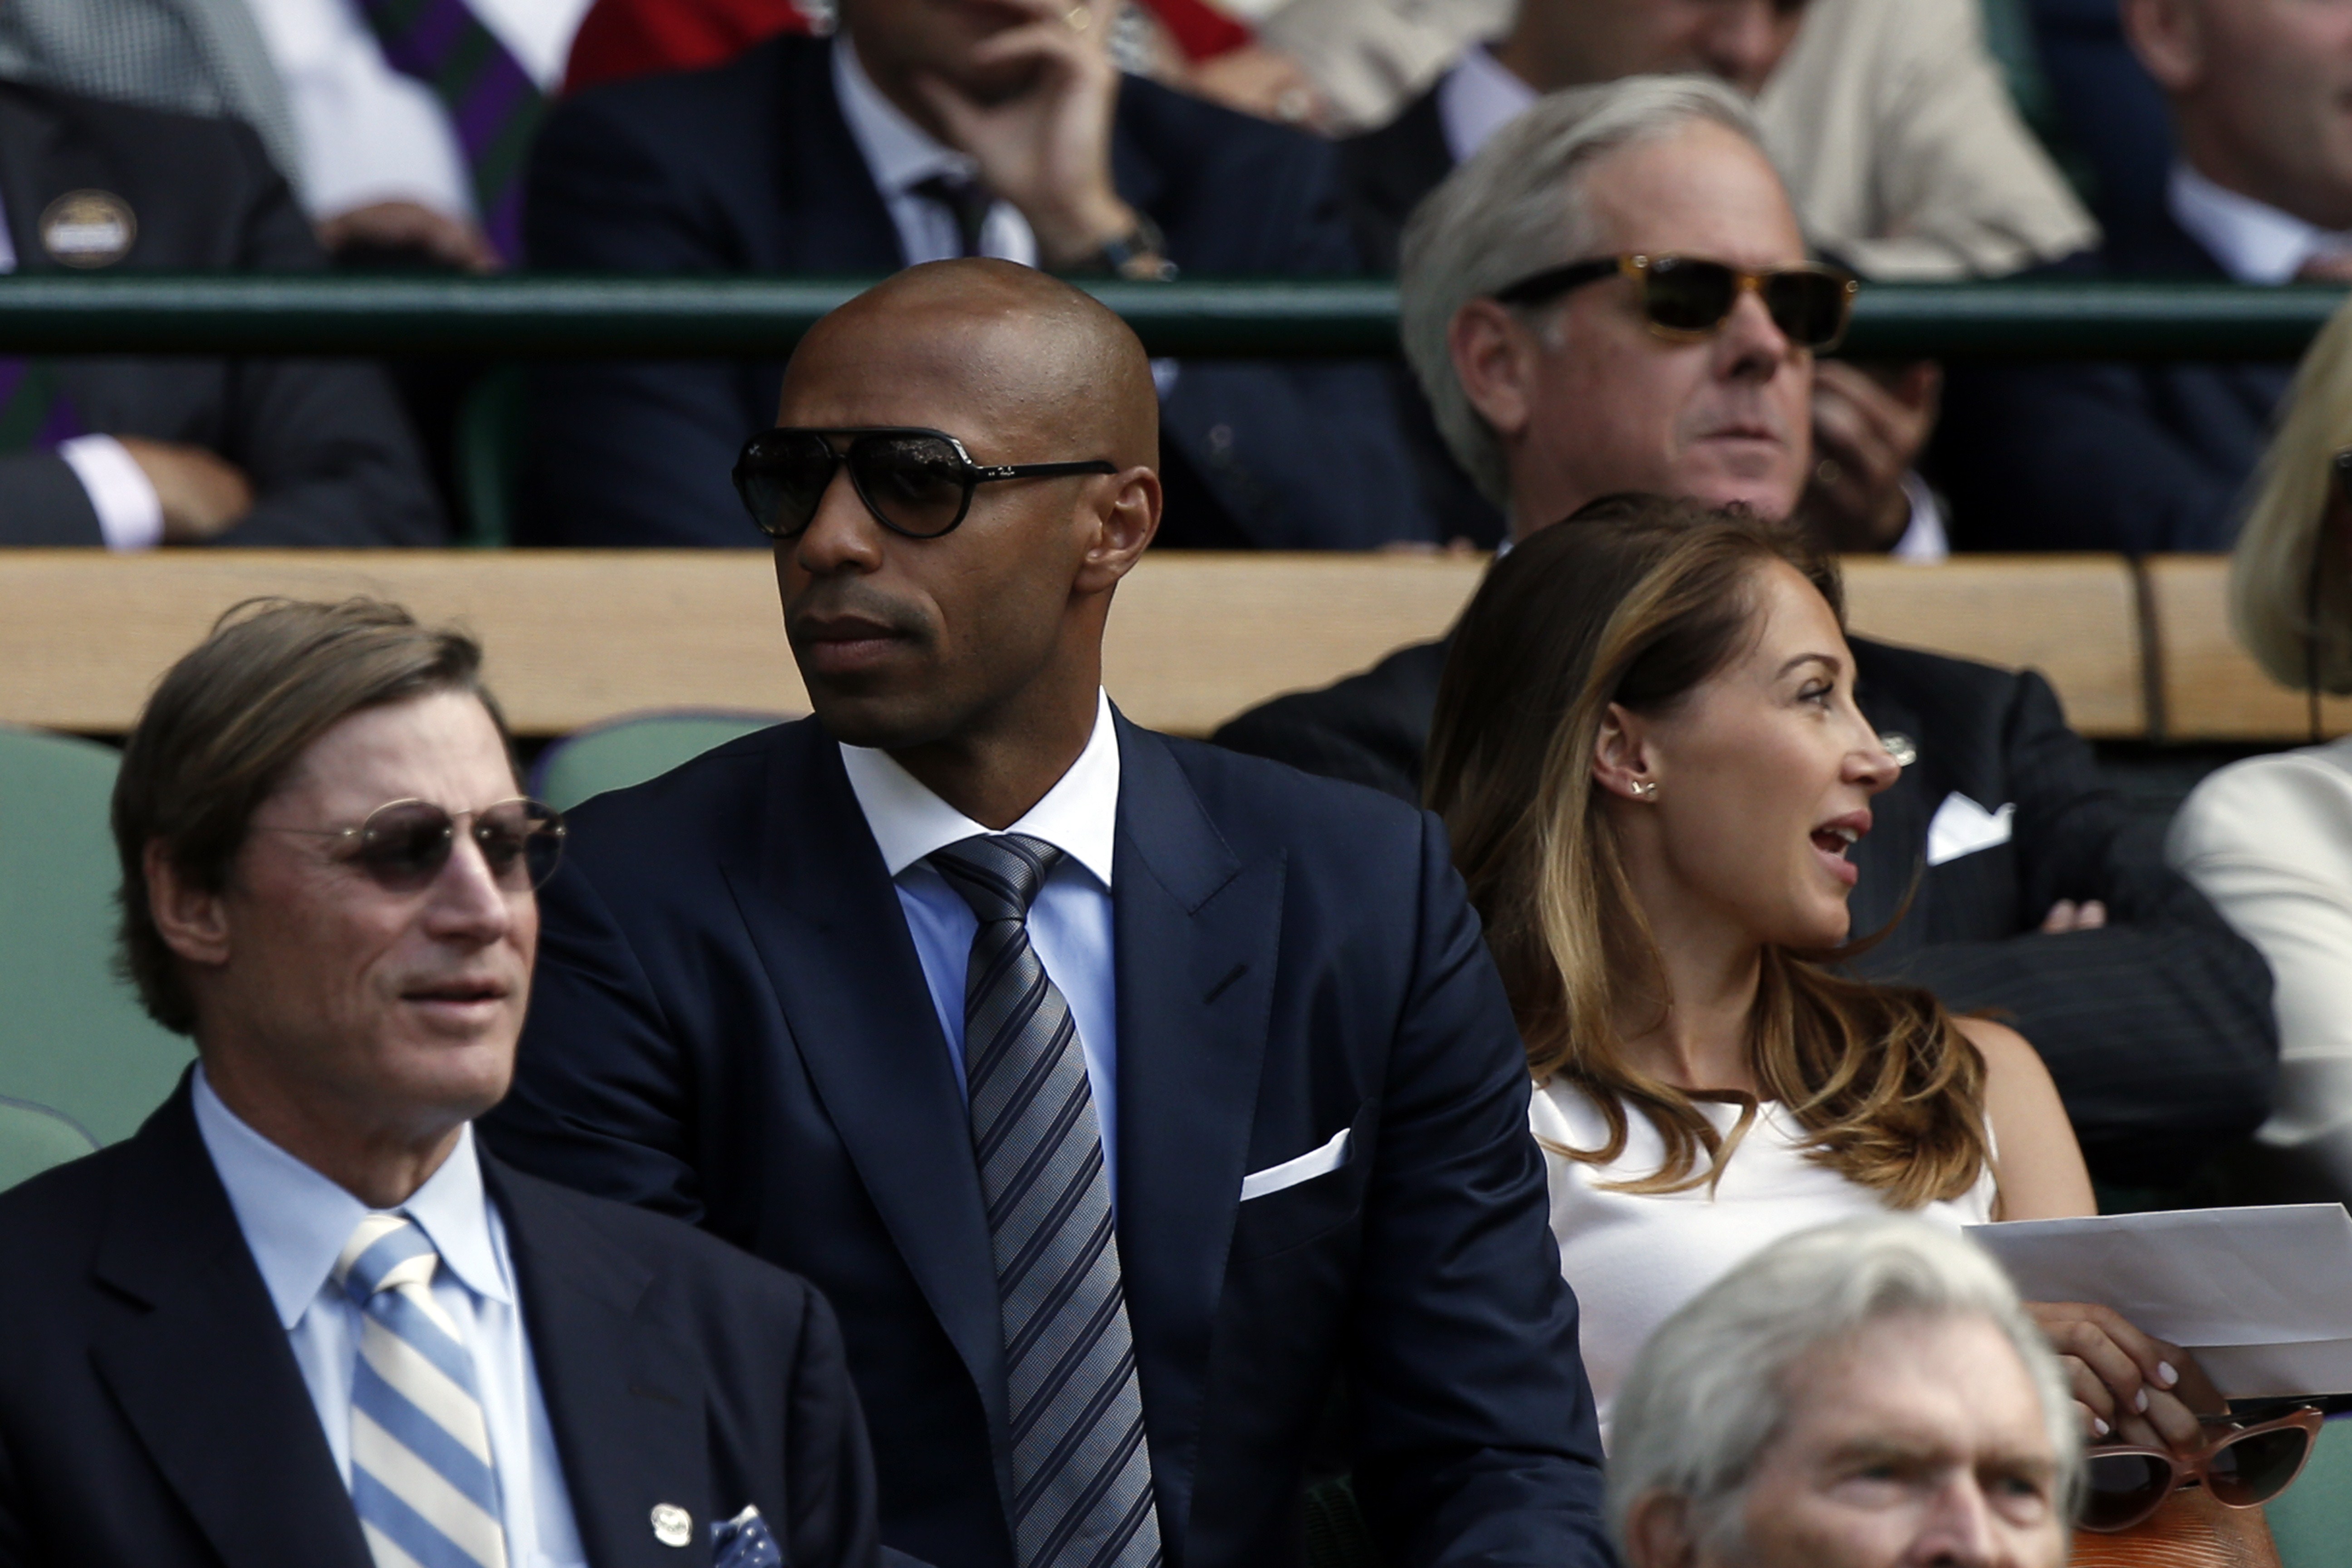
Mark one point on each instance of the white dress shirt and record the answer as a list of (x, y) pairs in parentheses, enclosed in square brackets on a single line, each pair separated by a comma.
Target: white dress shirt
[(296, 1223), (369, 134), (1069, 925), (130, 513), (2254, 242), (901, 154)]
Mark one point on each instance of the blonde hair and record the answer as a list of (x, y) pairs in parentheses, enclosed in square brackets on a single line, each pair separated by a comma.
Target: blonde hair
[(1637, 601), (2283, 568)]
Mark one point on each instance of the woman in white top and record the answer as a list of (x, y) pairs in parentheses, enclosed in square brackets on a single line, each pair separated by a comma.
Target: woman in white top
[(2269, 839), (1649, 755)]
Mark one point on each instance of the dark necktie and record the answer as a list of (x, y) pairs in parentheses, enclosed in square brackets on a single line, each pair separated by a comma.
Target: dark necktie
[(967, 201), (1081, 1474), (36, 414), (492, 101)]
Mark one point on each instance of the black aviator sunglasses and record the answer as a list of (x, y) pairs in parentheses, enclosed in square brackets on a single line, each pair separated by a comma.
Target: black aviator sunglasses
[(915, 482)]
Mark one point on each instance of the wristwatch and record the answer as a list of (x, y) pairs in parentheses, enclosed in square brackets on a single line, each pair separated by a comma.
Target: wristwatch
[(1138, 255)]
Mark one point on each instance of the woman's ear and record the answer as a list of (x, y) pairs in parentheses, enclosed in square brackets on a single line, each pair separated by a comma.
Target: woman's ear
[(1621, 755), (193, 922), (1658, 1532)]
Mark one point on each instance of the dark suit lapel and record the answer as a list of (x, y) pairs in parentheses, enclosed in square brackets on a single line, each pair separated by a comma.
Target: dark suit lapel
[(624, 1397), (204, 1372), (1197, 931), (836, 220), (31, 148), (821, 911)]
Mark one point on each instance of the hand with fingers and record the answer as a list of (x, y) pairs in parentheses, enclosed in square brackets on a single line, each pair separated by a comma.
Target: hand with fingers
[(1045, 147), (2066, 915), (2131, 1387), (1869, 428)]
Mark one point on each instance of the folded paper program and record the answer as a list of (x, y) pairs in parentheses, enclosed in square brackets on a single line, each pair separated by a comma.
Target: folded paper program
[(2263, 1296)]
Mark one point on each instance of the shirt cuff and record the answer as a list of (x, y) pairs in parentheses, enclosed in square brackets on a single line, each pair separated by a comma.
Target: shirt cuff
[(130, 513), (1923, 541)]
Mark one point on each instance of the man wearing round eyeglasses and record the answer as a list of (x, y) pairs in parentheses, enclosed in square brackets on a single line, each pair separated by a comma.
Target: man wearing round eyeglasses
[(299, 1317), (1612, 297), (1132, 1099)]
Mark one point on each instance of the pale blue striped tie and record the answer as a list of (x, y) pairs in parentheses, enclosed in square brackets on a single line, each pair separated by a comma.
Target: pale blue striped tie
[(422, 1478)]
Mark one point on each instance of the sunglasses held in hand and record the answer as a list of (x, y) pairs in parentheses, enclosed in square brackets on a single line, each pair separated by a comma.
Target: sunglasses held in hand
[(914, 482), (2243, 1467), (1686, 297), (404, 845)]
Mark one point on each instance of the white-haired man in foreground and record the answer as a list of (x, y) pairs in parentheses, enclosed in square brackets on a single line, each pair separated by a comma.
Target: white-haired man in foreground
[(1867, 1395)]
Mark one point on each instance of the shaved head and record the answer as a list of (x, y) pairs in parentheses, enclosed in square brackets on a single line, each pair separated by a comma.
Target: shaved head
[(972, 657), (1052, 357)]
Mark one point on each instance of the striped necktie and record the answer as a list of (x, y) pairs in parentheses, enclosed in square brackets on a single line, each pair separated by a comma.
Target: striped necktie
[(492, 101), (1081, 1474), (421, 1472), (967, 200), (36, 414)]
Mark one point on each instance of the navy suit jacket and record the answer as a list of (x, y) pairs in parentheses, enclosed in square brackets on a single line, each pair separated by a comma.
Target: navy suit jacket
[(2131, 457), (324, 442), (2157, 1029), (749, 167), (153, 1415), (730, 1024)]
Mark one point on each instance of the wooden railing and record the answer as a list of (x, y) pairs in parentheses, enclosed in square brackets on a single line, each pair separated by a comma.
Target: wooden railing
[(2136, 650)]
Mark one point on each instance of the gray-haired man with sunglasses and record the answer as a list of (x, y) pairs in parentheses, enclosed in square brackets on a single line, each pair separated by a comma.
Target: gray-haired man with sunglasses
[(300, 1319), (2034, 896)]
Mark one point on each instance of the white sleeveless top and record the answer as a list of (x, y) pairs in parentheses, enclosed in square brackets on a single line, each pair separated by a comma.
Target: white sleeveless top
[(1634, 1258)]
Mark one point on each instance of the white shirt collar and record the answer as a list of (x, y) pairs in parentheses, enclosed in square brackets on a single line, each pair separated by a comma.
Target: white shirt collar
[(900, 153), (1476, 99), (296, 1221), (1079, 815), (2254, 242)]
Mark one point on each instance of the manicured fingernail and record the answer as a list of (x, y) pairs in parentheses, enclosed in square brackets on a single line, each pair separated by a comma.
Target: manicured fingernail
[(2101, 1427), (2139, 1402), (2165, 1374)]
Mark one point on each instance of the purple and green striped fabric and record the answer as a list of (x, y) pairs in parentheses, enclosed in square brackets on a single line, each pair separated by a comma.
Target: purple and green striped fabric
[(492, 101)]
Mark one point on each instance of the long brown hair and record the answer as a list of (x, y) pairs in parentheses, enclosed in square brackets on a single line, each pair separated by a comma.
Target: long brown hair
[(1636, 601)]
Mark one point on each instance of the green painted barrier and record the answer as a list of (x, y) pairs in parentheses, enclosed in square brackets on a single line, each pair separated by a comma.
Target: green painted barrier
[(544, 317)]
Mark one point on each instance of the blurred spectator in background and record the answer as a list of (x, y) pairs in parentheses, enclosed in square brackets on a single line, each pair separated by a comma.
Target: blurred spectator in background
[(1191, 44), (2151, 457), (1653, 771), (1899, 146), (926, 130), (2269, 839), (401, 124), (1867, 1395), (135, 452), (2109, 114), (2153, 1017)]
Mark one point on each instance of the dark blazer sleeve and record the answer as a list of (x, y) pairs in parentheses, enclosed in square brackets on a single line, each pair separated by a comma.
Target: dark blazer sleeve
[(2099, 457), (325, 443), (831, 1469), (1477, 1439), (600, 1100), (633, 452), (2159, 1028), (42, 502)]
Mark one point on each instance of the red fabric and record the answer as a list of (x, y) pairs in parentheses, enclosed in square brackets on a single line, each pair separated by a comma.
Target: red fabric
[(622, 39), (1199, 28)]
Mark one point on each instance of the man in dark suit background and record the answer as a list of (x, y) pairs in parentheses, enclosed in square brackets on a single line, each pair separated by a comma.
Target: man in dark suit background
[(298, 1320), (1284, 1138), (2152, 457), (2152, 1016), (135, 452), (926, 130)]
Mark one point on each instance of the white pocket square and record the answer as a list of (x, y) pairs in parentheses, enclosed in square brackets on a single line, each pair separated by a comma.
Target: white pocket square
[(1961, 826), (1306, 1168)]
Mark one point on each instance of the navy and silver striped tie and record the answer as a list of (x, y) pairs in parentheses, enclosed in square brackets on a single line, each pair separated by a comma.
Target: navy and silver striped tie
[(1081, 1474)]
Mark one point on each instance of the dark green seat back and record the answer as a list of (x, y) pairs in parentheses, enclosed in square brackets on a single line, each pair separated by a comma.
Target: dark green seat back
[(631, 750)]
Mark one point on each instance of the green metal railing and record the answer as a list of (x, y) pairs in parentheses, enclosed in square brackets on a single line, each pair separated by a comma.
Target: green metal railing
[(555, 317)]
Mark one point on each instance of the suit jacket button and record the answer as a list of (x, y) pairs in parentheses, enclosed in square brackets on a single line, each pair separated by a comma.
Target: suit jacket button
[(673, 1526)]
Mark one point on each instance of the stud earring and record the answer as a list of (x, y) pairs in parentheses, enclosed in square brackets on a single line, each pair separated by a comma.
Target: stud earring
[(1645, 789)]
